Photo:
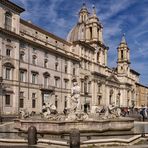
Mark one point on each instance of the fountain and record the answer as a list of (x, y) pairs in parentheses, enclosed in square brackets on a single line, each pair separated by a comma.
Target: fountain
[(74, 117)]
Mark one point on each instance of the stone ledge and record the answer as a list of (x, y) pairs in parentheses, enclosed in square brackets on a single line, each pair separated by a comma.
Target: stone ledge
[(57, 127)]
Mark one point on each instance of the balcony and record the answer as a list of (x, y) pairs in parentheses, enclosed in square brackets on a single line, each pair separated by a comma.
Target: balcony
[(47, 88)]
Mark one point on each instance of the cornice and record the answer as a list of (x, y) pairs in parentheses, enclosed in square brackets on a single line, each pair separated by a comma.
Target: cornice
[(85, 44), (100, 44), (13, 34), (44, 32), (98, 74), (12, 6), (141, 85)]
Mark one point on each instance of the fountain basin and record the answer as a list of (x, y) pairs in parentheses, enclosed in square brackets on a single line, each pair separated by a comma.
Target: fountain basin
[(62, 127)]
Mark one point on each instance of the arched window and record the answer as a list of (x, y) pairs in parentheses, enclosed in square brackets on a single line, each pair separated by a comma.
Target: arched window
[(98, 57), (8, 20), (90, 32), (122, 56)]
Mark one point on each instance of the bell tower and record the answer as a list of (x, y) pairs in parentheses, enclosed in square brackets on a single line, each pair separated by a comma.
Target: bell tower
[(94, 28), (123, 62), (83, 14)]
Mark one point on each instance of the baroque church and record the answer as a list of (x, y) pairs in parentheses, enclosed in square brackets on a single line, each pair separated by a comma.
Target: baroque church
[(39, 67)]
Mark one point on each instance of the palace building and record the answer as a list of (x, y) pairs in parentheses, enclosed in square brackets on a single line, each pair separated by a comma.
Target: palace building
[(39, 67)]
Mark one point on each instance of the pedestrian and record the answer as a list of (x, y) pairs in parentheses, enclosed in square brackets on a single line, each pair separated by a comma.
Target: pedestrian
[(142, 113)]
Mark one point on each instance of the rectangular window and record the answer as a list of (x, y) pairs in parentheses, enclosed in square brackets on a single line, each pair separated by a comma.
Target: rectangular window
[(8, 21), (34, 60), (74, 70), (34, 78), (99, 100), (65, 68), (7, 74), (82, 86), (65, 102), (65, 83), (56, 66), (56, 101), (33, 95), (22, 54), (33, 100), (89, 87), (33, 103), (45, 63), (22, 76), (56, 82), (7, 99), (21, 100), (99, 88), (45, 81), (8, 52), (21, 94), (21, 103)]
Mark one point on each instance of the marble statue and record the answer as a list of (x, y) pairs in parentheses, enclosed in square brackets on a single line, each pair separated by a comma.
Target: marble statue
[(48, 109), (75, 97), (74, 106), (112, 112), (23, 114), (74, 112)]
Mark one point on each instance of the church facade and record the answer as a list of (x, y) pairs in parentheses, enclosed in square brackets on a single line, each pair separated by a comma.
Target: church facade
[(38, 67)]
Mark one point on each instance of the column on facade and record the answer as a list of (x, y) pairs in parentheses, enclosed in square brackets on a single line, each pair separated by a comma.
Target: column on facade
[(87, 33), (94, 30), (129, 97), (15, 100), (125, 54), (94, 95), (100, 34), (105, 57), (101, 57), (128, 56), (1, 57), (115, 97), (104, 93), (126, 98), (119, 55)]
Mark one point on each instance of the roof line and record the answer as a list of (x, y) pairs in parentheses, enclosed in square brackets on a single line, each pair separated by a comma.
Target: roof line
[(43, 31), (12, 5)]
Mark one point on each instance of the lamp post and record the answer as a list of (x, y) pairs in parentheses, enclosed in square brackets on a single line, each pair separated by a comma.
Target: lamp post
[(1, 99)]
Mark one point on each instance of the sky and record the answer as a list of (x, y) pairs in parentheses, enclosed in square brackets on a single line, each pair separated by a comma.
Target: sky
[(117, 16)]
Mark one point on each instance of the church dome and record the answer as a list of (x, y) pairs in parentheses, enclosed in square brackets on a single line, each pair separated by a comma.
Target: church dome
[(77, 33)]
